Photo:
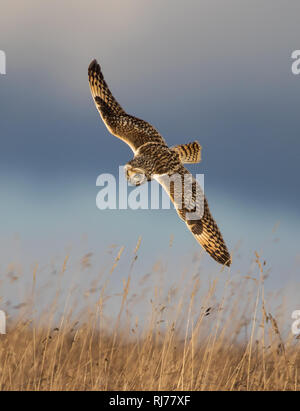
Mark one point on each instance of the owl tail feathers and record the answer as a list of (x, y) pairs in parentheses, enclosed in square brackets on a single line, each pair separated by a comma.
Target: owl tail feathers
[(189, 153)]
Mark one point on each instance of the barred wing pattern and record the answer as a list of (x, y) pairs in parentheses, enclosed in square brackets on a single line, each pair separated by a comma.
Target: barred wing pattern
[(132, 130), (189, 153), (192, 207)]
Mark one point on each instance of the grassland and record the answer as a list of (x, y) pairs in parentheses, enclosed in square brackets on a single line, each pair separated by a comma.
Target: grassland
[(226, 339)]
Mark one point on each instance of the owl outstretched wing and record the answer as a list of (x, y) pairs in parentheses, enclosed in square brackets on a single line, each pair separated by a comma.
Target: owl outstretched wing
[(132, 130), (192, 207)]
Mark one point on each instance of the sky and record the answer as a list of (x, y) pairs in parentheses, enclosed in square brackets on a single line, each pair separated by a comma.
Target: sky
[(219, 72)]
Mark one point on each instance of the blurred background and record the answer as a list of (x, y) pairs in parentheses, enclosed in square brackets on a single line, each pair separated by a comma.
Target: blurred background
[(218, 72)]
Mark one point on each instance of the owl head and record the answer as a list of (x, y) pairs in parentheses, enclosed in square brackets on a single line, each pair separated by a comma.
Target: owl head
[(138, 171)]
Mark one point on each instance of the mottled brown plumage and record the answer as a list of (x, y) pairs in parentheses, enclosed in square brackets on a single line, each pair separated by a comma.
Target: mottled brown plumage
[(154, 159), (134, 131), (189, 153)]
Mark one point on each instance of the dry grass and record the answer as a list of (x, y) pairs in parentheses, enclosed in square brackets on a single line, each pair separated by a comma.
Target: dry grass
[(223, 340)]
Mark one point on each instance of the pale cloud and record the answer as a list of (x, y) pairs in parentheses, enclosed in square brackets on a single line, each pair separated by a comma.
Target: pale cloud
[(155, 40)]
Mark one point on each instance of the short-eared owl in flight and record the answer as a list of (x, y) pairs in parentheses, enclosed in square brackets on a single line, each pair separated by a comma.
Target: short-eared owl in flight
[(154, 159)]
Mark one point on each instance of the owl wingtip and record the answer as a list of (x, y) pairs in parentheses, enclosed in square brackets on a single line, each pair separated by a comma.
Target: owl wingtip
[(94, 66), (228, 261), (224, 259)]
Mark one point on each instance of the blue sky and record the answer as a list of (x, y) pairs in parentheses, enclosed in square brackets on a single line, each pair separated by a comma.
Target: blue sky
[(218, 72)]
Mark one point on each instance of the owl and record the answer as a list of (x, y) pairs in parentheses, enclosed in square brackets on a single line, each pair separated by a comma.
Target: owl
[(153, 159)]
